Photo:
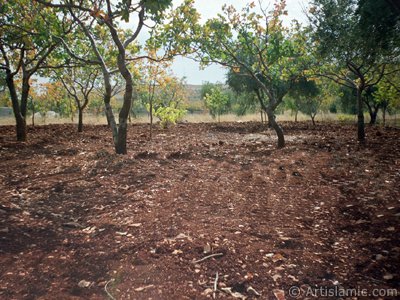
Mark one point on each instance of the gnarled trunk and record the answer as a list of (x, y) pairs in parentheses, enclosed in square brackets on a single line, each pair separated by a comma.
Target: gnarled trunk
[(384, 115), (313, 119), (80, 119), (373, 117), (269, 110), (120, 146), (276, 127), (360, 116), (19, 116)]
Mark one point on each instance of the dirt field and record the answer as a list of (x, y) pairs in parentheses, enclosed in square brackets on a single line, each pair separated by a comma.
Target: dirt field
[(79, 222)]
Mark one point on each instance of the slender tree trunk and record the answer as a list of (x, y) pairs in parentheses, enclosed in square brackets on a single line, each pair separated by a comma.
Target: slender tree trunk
[(25, 94), (80, 119), (108, 109), (269, 110), (71, 110), (262, 116), (373, 116), (276, 127), (360, 116), (33, 112), (384, 115), (120, 146), (295, 115), (19, 118), (313, 119), (151, 117)]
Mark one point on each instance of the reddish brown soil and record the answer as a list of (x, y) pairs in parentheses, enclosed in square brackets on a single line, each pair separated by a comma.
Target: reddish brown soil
[(322, 212)]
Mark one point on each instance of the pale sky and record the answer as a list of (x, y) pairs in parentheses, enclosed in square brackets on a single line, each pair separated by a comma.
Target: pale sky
[(183, 67)]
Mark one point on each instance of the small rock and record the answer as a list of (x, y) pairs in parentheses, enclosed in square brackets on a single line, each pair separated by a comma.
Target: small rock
[(251, 290), (207, 249), (177, 251), (101, 283), (279, 294), (207, 292), (84, 284), (388, 277), (276, 277)]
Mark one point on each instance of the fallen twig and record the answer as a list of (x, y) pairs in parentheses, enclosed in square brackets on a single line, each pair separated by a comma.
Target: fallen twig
[(215, 285), (105, 288), (207, 257)]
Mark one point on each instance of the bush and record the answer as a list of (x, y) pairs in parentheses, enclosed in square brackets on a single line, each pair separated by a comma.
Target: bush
[(169, 115)]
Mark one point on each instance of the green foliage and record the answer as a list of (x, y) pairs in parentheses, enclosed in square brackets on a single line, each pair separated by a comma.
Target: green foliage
[(343, 118), (244, 103), (378, 24), (387, 95), (216, 101), (169, 115), (305, 96), (346, 101)]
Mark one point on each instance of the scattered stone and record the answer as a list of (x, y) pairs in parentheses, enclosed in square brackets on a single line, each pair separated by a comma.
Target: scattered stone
[(84, 284)]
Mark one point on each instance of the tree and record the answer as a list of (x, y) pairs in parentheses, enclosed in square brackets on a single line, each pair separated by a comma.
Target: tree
[(354, 47), (79, 83), (387, 95), (306, 97), (107, 14), (245, 88), (26, 43), (170, 101), (269, 53), (152, 78), (50, 96), (216, 101)]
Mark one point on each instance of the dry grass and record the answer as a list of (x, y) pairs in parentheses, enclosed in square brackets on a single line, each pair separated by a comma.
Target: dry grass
[(393, 120)]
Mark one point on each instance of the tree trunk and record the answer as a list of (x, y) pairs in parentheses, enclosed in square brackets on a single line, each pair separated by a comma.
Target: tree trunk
[(19, 118), (313, 119), (360, 116), (295, 115), (33, 113), (71, 110), (262, 117), (277, 128), (80, 119), (373, 112), (373, 115), (151, 119), (384, 116), (120, 146)]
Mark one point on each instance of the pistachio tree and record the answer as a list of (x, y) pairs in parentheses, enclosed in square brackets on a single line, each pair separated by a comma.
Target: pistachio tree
[(80, 84), (216, 101), (26, 42), (258, 46), (355, 41), (110, 14)]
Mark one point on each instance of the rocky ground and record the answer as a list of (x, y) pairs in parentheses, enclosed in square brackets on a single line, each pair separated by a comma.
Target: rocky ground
[(202, 211)]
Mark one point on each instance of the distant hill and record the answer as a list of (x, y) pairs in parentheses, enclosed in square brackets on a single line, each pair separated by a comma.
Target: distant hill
[(194, 93)]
